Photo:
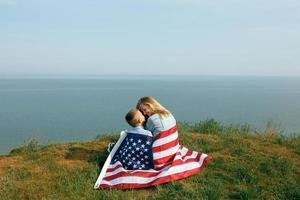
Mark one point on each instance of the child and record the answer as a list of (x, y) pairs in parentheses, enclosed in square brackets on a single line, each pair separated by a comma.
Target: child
[(135, 150), (136, 120)]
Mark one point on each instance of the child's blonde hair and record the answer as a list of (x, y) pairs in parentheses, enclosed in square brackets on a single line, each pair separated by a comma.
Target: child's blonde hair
[(131, 117), (154, 106)]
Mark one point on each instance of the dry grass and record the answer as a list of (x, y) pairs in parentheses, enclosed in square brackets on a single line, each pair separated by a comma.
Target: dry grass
[(244, 166)]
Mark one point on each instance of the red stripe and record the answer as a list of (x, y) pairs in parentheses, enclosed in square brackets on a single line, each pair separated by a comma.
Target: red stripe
[(190, 152), (160, 180), (157, 168), (131, 174), (168, 163), (111, 169), (166, 133), (165, 146), (179, 162), (164, 159), (163, 166), (114, 168), (146, 174)]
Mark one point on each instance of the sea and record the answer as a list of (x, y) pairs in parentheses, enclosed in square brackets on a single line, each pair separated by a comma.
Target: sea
[(68, 109)]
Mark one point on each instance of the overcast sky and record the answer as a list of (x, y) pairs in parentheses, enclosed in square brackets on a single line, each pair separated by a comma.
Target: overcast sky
[(205, 37)]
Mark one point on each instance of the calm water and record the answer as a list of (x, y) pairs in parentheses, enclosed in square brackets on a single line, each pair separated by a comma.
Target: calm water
[(58, 110)]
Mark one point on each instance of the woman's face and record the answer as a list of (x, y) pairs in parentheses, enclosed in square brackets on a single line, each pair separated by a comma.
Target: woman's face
[(145, 109)]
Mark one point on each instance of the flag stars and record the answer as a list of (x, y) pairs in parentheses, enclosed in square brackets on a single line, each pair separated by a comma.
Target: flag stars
[(134, 153)]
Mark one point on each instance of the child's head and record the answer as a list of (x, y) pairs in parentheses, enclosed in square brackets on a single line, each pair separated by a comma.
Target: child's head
[(135, 118), (149, 106)]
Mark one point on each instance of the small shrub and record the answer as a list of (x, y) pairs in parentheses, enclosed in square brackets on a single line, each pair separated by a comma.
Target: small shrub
[(112, 137), (244, 194), (212, 190), (291, 190), (282, 164), (265, 168), (20, 173), (6, 187), (244, 175), (209, 126)]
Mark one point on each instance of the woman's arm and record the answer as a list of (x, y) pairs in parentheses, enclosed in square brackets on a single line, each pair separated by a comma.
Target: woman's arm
[(154, 124)]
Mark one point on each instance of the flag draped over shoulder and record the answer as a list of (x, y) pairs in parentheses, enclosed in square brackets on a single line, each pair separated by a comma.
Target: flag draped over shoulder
[(138, 161)]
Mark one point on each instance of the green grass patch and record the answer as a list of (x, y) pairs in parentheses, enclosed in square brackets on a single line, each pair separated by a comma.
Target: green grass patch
[(246, 165)]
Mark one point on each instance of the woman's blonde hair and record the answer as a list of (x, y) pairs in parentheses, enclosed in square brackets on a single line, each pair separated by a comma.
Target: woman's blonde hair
[(154, 106)]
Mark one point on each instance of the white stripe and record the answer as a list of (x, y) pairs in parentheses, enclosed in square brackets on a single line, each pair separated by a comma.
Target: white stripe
[(128, 171), (165, 153), (178, 157), (184, 150), (202, 157), (114, 165), (143, 180), (136, 179), (108, 160), (194, 155), (165, 140), (160, 165)]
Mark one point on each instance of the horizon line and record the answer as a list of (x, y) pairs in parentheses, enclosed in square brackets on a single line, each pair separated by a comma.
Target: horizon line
[(142, 75)]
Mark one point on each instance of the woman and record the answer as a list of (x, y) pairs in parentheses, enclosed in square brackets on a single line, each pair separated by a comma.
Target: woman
[(158, 117), (167, 153), (171, 161)]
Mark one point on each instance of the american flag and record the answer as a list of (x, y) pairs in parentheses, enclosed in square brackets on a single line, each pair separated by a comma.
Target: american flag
[(138, 161)]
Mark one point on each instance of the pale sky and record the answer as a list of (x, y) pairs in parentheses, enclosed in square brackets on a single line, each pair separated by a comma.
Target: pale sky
[(149, 37)]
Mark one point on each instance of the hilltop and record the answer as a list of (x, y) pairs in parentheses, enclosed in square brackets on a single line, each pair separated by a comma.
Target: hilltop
[(246, 165)]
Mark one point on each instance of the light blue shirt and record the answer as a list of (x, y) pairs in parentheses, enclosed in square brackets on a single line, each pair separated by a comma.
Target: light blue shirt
[(140, 130), (157, 124)]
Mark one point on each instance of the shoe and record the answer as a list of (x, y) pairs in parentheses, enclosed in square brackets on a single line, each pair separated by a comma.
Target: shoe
[(110, 147)]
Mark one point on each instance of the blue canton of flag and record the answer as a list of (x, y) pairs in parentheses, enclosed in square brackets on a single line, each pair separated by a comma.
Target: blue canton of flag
[(135, 152)]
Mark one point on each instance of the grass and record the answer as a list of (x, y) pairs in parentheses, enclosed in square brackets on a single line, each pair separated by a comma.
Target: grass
[(246, 164)]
